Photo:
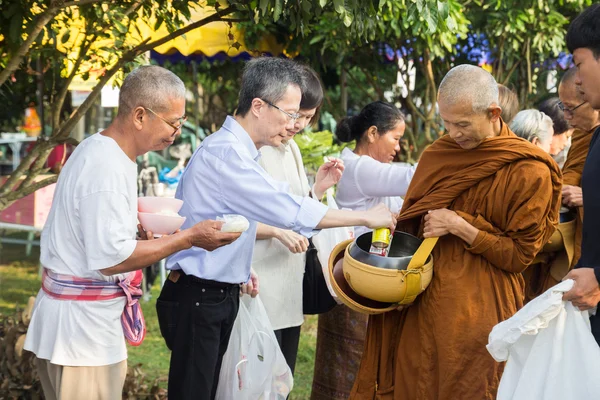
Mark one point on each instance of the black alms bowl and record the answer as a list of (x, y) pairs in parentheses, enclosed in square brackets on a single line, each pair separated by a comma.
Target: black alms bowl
[(403, 247)]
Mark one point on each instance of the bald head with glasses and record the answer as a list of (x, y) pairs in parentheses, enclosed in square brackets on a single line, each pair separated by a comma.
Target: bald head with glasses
[(576, 109), (151, 110)]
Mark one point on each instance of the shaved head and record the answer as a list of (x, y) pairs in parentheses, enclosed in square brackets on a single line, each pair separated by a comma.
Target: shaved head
[(469, 83), (568, 82)]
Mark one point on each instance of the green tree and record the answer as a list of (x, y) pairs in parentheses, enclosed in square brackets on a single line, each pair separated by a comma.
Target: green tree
[(29, 29), (521, 36)]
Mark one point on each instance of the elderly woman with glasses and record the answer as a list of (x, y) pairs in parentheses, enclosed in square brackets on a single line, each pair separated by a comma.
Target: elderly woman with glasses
[(535, 127)]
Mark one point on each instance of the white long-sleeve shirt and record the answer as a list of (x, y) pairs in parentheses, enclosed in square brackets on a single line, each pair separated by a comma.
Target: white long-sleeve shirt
[(367, 182), (280, 271)]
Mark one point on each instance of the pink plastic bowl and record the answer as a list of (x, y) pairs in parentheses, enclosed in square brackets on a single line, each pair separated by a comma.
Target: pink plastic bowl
[(160, 224), (158, 204)]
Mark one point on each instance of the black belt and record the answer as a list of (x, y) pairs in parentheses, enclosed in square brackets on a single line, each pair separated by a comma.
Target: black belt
[(191, 279)]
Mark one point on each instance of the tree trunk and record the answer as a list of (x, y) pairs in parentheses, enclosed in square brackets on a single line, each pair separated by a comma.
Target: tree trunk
[(343, 94)]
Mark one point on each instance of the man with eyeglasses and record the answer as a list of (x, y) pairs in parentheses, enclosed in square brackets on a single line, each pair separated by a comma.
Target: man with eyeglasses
[(92, 260), (224, 177), (583, 41), (585, 120)]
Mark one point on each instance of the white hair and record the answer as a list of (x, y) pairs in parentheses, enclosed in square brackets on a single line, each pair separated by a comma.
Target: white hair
[(468, 82), (532, 124), (150, 86)]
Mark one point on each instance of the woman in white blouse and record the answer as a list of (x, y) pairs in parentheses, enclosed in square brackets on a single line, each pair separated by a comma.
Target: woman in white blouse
[(369, 178), (279, 255)]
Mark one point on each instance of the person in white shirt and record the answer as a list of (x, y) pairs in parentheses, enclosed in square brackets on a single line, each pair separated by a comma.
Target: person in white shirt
[(89, 242), (279, 254), (224, 177), (369, 178)]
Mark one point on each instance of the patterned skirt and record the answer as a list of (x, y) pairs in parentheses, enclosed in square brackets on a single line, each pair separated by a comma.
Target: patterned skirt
[(340, 341)]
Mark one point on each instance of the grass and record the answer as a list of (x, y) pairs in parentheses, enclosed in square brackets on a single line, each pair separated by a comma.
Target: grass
[(19, 280)]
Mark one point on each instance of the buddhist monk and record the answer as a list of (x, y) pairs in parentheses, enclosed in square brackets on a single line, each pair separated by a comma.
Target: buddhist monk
[(585, 120), (493, 200)]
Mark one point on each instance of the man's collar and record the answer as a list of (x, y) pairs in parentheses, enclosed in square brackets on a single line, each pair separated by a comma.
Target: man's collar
[(240, 133)]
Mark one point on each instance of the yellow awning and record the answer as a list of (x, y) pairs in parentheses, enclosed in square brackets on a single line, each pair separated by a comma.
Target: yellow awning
[(207, 40)]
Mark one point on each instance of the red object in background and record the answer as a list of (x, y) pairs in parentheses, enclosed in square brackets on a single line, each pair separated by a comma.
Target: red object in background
[(58, 156), (31, 210)]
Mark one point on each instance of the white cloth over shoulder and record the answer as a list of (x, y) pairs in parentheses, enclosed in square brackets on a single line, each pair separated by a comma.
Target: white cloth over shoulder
[(550, 351)]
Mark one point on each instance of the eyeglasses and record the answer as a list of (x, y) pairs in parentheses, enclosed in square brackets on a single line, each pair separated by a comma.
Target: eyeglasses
[(176, 127), (291, 117), (569, 110)]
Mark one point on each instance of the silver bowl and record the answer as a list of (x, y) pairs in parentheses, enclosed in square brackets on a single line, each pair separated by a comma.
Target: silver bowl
[(403, 247)]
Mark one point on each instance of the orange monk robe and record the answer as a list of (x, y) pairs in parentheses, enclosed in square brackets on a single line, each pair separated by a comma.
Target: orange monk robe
[(572, 171), (435, 349), (541, 277)]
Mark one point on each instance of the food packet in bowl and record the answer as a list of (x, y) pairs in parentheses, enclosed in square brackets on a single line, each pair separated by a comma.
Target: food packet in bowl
[(234, 223)]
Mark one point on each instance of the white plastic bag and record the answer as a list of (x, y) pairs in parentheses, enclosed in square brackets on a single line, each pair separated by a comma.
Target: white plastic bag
[(327, 239), (550, 351), (253, 366)]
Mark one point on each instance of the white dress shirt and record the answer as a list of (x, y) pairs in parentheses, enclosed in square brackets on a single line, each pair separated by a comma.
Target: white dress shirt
[(367, 182), (224, 177)]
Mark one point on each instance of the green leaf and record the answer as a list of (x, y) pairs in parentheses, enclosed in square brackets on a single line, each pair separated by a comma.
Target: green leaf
[(339, 6), (16, 26), (65, 38), (323, 3), (159, 22), (306, 7), (347, 19), (451, 24), (420, 5), (120, 27), (263, 6), (443, 9), (316, 39), (278, 10)]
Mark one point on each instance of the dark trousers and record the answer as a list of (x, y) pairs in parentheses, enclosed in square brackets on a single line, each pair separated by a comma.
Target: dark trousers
[(196, 317), (595, 323), (288, 340)]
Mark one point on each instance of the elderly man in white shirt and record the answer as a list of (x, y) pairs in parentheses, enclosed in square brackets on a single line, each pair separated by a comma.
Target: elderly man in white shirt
[(89, 247), (223, 177)]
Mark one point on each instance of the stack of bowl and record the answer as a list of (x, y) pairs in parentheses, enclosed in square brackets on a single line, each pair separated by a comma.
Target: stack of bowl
[(159, 214)]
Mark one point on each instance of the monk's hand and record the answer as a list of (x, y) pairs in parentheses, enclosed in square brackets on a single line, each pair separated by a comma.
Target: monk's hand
[(572, 196), (439, 222), (585, 293), (252, 286), (207, 235)]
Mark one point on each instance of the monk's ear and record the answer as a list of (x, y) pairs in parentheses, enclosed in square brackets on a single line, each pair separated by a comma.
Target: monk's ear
[(372, 134), (494, 112)]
